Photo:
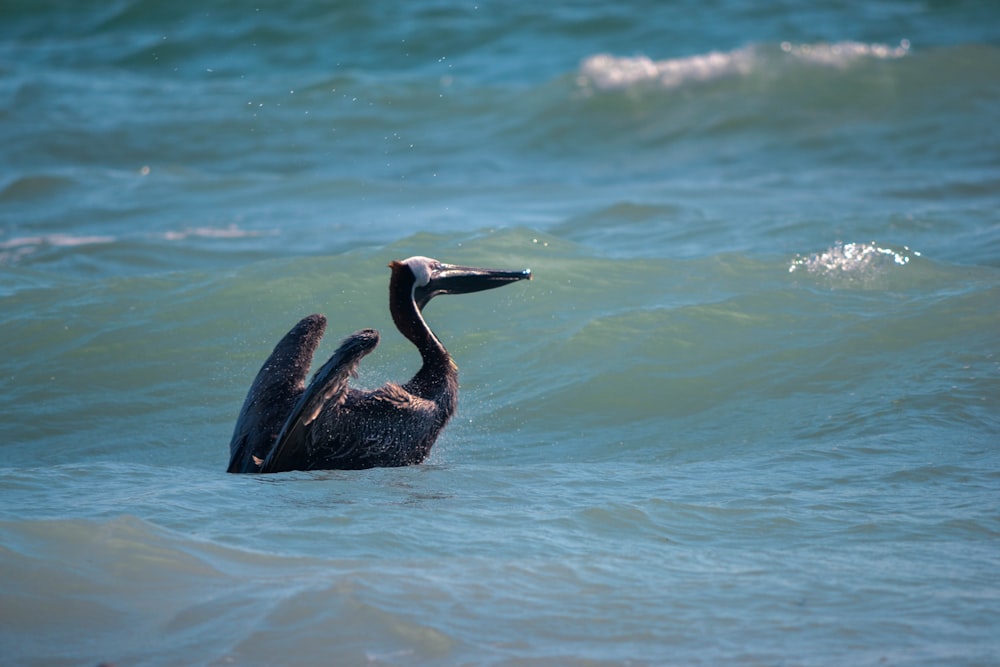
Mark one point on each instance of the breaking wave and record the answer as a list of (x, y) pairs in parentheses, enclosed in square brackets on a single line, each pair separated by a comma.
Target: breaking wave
[(608, 72)]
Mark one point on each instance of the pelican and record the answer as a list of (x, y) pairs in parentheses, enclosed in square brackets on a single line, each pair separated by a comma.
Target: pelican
[(328, 425)]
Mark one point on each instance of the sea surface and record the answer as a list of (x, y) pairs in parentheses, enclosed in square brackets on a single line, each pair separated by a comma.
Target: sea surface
[(746, 413)]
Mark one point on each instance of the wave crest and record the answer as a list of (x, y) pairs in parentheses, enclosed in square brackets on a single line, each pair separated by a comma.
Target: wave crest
[(607, 72), (841, 54)]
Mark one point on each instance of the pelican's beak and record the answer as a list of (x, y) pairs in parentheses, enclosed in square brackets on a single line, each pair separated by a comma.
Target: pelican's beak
[(451, 279)]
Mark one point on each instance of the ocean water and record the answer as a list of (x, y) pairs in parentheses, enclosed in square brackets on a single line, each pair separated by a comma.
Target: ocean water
[(747, 412)]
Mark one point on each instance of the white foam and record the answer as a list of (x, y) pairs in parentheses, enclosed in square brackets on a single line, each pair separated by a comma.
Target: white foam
[(228, 232), (607, 72), (14, 250), (841, 54), (55, 240)]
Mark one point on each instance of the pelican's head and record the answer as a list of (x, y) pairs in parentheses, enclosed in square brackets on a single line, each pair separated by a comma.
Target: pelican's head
[(429, 277)]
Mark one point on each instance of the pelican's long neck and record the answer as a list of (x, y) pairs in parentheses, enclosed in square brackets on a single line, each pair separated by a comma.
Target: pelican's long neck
[(438, 369)]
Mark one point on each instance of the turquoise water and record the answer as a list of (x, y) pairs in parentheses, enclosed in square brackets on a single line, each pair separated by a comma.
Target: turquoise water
[(746, 413)]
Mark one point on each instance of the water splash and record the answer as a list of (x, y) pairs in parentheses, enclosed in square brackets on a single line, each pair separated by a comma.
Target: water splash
[(853, 263)]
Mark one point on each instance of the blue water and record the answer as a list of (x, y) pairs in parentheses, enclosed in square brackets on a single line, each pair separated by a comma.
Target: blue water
[(746, 413)]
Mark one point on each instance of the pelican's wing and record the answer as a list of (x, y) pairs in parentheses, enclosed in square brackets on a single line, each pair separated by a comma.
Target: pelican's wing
[(278, 384), (328, 387)]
